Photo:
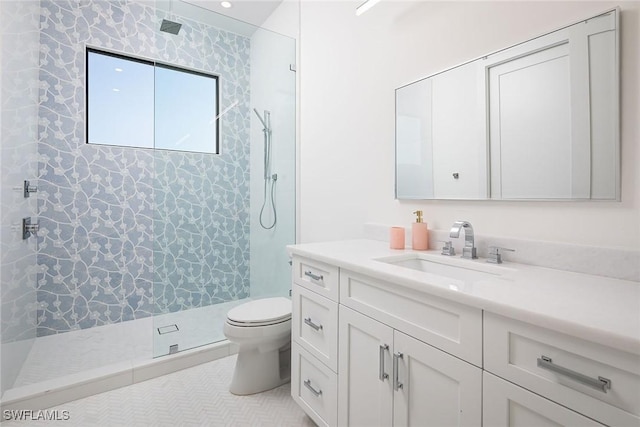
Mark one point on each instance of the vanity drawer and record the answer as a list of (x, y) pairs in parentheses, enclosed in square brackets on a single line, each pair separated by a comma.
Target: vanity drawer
[(314, 387), (449, 326), (316, 276), (315, 325), (506, 405), (560, 367)]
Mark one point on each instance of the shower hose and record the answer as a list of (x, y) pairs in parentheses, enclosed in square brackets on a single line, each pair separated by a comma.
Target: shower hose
[(269, 183)]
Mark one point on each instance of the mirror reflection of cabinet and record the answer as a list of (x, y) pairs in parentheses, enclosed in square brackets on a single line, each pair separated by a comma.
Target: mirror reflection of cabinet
[(535, 121)]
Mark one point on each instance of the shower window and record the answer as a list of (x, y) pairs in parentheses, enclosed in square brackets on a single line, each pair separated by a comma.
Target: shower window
[(133, 102)]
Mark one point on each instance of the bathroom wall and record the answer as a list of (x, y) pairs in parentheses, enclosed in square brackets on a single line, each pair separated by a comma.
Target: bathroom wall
[(19, 40), (108, 215), (350, 67), (273, 87)]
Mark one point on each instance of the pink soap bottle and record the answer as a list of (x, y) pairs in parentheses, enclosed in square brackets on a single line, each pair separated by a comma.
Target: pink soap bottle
[(419, 234)]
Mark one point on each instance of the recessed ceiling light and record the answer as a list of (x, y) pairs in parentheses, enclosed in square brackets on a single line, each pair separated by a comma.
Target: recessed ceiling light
[(119, 70), (225, 4), (116, 89)]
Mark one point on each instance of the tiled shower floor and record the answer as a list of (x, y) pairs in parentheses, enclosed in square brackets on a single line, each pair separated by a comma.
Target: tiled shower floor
[(55, 356)]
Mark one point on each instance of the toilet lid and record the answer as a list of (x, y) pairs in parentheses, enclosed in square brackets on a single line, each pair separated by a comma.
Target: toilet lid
[(261, 311)]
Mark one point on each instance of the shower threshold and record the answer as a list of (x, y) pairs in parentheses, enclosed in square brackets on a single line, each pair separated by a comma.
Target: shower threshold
[(53, 392), (65, 367)]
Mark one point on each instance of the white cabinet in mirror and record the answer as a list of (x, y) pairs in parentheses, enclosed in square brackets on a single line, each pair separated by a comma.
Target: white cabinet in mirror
[(536, 121)]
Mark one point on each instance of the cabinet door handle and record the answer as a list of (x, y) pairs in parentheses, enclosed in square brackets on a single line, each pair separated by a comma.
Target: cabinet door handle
[(316, 393), (382, 375), (315, 277), (602, 384), (397, 385), (309, 322)]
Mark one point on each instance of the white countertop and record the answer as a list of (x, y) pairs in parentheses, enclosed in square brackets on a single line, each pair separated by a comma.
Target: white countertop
[(594, 308)]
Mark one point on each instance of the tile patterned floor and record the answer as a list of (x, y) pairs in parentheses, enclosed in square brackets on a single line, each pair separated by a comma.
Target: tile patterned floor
[(197, 396)]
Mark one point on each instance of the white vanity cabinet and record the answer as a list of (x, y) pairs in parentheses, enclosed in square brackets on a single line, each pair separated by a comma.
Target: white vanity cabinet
[(374, 347), (391, 371), (387, 378)]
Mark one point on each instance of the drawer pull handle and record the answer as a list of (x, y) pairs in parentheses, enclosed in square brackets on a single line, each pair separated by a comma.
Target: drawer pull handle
[(316, 393), (315, 277), (397, 385), (600, 383), (382, 375), (309, 322)]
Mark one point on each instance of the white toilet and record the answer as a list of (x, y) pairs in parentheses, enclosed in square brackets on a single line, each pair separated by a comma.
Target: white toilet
[(262, 331)]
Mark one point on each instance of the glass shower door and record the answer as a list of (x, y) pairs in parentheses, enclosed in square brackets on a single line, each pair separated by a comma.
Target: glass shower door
[(210, 251), (273, 198), (19, 86)]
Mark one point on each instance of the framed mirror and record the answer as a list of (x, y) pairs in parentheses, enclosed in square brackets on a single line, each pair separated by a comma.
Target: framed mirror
[(535, 121)]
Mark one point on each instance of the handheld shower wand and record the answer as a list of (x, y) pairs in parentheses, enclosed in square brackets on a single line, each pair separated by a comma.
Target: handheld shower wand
[(269, 180), (264, 124), (266, 130)]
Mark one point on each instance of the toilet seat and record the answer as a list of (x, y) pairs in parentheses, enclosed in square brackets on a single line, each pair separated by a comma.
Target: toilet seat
[(256, 324), (262, 312)]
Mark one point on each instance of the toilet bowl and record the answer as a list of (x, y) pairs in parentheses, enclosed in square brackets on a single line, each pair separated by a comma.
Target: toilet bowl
[(262, 331)]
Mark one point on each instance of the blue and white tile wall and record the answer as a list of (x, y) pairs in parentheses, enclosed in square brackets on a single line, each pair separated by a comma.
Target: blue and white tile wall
[(129, 232)]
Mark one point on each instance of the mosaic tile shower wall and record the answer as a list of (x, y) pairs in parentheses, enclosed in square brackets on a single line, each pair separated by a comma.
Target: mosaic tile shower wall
[(128, 232)]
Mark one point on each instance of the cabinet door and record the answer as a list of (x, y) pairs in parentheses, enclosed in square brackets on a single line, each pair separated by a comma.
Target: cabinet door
[(364, 371), (533, 93), (434, 388), (506, 404)]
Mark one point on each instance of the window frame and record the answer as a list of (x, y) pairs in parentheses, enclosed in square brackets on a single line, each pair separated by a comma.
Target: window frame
[(153, 63)]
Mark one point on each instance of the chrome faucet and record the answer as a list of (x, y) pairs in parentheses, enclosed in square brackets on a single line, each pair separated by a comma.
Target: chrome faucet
[(495, 257), (469, 250)]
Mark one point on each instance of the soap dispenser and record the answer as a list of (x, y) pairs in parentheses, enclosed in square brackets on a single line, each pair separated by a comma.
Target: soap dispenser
[(419, 233)]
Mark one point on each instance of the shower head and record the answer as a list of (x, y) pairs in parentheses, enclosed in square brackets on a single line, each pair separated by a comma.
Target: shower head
[(170, 26)]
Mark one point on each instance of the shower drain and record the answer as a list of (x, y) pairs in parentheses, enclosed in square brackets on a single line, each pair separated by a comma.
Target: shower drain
[(167, 329)]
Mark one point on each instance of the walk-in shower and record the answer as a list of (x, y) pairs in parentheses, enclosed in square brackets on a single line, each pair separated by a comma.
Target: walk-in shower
[(268, 194), (140, 252)]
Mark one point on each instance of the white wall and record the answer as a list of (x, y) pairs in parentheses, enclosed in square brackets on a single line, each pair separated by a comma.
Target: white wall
[(350, 67), (273, 88)]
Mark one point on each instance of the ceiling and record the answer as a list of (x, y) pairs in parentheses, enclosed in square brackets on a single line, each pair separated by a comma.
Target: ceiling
[(254, 12), (243, 17)]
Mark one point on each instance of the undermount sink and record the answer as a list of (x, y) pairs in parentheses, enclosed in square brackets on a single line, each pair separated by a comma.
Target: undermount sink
[(467, 273)]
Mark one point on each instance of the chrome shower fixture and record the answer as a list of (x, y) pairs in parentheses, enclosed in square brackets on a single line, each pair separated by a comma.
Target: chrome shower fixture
[(170, 27), (267, 116), (269, 180), (266, 129)]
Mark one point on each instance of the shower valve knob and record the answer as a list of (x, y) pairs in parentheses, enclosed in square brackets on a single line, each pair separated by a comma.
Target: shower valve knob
[(28, 189), (29, 228)]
